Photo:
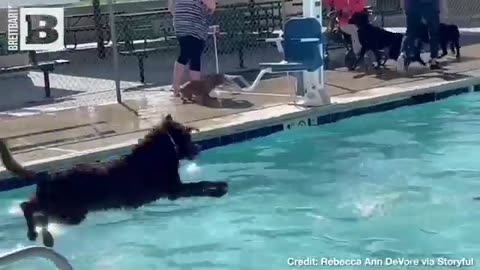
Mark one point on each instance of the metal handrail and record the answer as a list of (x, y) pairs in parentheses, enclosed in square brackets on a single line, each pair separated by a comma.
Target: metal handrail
[(60, 261)]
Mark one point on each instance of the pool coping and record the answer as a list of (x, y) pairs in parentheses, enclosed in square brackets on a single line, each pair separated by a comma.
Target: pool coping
[(244, 126)]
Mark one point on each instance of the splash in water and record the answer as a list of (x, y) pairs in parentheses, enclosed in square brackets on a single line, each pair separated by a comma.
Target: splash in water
[(15, 209), (192, 168)]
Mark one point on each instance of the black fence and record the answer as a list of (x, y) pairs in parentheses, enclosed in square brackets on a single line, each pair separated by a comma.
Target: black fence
[(147, 47)]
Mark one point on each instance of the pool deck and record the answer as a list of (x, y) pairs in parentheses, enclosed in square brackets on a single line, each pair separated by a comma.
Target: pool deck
[(54, 139)]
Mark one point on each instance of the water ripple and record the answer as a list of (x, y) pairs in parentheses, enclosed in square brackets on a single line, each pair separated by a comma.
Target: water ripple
[(275, 233), (396, 184)]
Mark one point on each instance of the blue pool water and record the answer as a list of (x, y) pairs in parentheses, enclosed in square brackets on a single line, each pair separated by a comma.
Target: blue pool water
[(392, 185)]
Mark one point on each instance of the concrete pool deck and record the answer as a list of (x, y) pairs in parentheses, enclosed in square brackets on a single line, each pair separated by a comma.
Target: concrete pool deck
[(52, 140)]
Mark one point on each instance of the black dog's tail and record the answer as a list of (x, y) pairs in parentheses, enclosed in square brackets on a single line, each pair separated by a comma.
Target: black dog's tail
[(11, 164)]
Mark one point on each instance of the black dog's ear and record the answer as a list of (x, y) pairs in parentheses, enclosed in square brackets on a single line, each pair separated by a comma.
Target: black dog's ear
[(166, 122)]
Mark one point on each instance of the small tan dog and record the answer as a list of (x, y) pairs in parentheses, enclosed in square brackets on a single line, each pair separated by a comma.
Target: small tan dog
[(199, 91)]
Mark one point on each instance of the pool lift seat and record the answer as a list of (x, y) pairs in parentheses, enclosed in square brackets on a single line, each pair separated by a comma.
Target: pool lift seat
[(302, 39)]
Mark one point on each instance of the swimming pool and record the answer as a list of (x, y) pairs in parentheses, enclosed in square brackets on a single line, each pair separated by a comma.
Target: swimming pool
[(390, 185)]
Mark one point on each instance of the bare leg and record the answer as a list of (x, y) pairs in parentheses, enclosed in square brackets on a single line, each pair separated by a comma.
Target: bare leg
[(352, 31), (195, 75), (360, 56), (178, 72)]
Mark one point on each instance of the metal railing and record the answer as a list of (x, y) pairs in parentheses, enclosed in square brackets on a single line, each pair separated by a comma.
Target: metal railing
[(58, 260)]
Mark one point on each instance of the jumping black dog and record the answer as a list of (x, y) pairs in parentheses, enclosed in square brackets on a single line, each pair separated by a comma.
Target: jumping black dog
[(150, 172)]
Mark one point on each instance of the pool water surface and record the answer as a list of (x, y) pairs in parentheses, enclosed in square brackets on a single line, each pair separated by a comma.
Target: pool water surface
[(390, 185)]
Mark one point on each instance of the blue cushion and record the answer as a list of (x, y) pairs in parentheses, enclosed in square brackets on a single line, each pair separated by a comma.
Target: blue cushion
[(300, 55), (296, 51)]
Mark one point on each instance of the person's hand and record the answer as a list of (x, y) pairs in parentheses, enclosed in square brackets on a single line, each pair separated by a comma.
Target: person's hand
[(210, 4)]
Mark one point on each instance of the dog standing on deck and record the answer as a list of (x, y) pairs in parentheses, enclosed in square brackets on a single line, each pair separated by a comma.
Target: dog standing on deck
[(150, 172), (449, 35), (199, 91), (375, 39)]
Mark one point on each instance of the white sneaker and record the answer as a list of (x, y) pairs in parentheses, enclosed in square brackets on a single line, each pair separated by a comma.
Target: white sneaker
[(434, 65), (401, 63)]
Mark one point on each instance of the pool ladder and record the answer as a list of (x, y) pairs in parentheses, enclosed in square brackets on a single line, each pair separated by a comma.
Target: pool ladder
[(60, 261)]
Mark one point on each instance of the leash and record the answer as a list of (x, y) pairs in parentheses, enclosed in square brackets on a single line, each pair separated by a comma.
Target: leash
[(175, 146)]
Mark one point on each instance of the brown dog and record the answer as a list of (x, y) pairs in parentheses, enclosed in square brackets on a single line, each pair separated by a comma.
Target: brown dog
[(199, 91), (150, 172)]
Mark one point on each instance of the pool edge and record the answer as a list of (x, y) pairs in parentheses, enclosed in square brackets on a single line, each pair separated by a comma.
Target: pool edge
[(263, 122)]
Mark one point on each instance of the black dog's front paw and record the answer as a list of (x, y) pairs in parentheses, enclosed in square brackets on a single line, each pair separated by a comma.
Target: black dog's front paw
[(215, 189), (32, 235), (219, 190), (200, 189)]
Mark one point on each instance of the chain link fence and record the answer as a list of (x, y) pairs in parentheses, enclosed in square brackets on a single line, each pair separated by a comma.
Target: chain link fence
[(148, 47), (146, 52), (85, 80), (243, 30), (465, 13)]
